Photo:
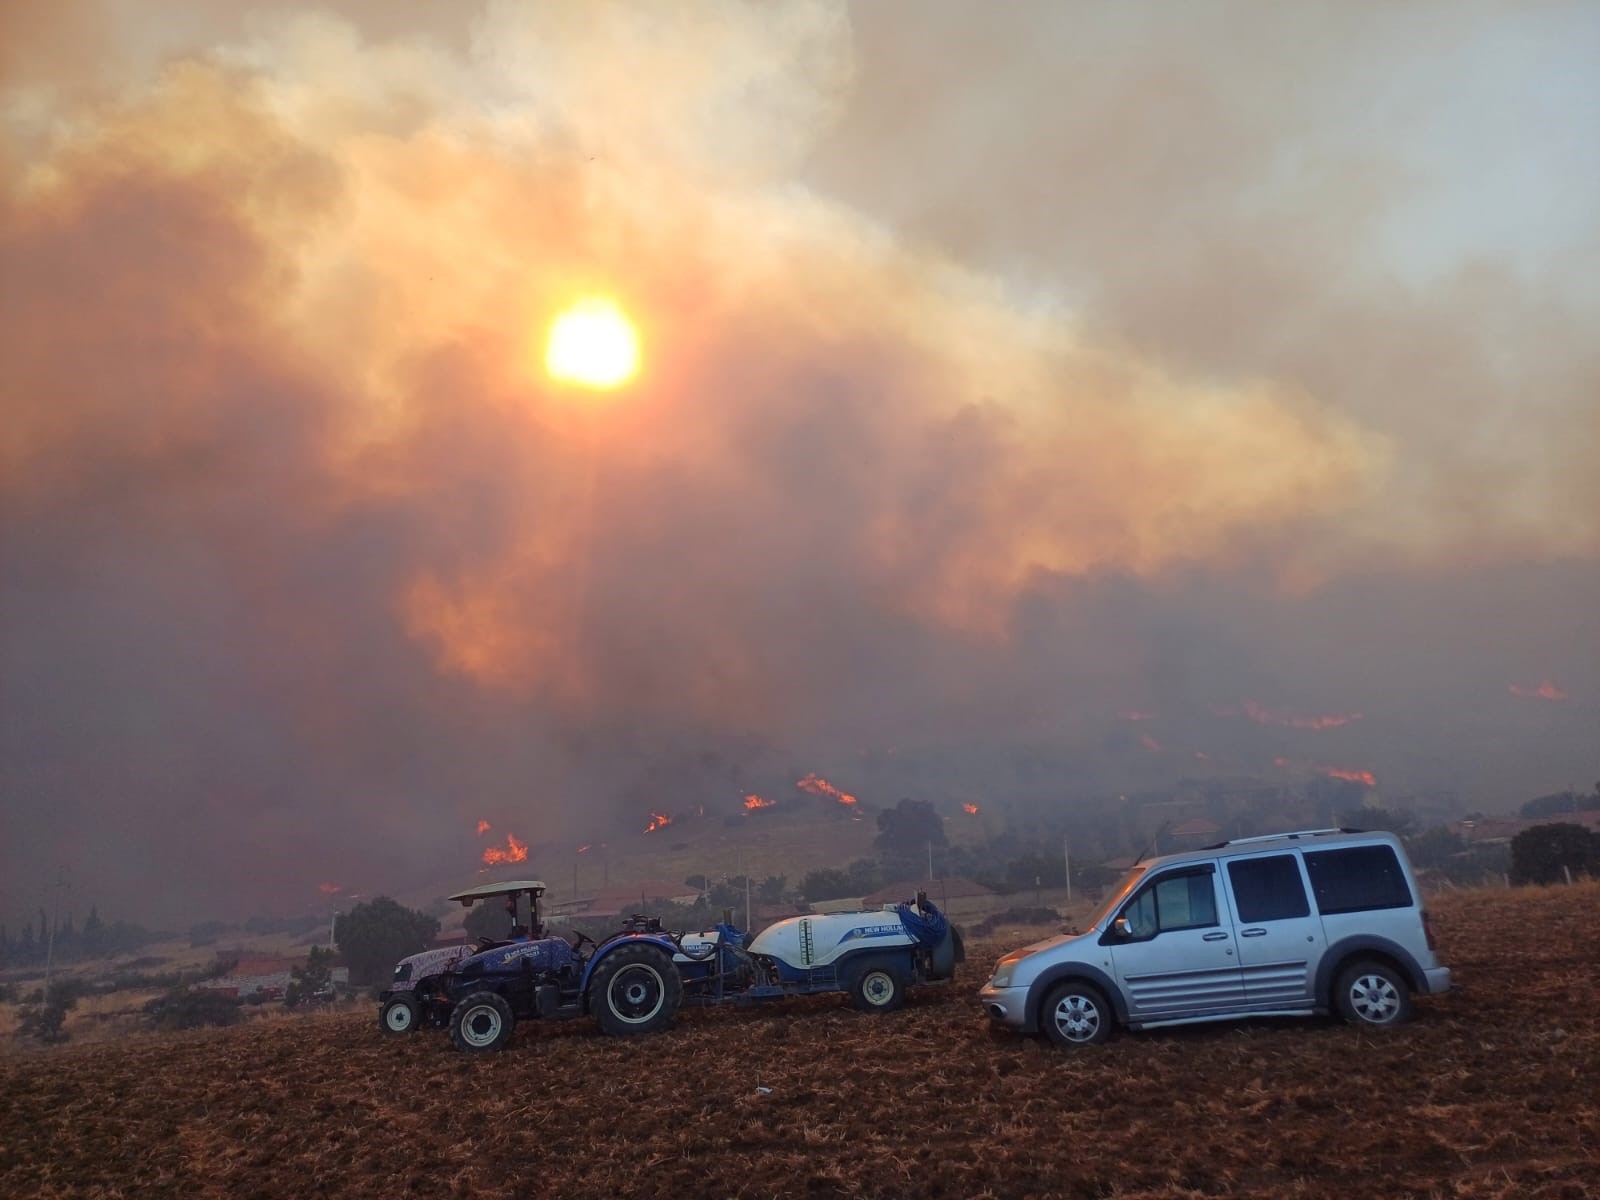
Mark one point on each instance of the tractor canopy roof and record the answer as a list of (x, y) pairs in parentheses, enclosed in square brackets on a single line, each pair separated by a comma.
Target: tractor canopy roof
[(508, 888)]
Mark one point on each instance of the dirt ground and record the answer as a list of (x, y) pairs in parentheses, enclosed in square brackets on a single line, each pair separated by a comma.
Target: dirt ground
[(1491, 1092)]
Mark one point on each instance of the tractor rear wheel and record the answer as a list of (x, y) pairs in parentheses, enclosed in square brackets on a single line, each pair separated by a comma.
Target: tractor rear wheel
[(879, 987), (481, 1022), (400, 1014), (635, 989)]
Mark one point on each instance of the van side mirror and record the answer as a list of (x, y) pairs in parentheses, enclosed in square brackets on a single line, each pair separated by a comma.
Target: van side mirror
[(1122, 928)]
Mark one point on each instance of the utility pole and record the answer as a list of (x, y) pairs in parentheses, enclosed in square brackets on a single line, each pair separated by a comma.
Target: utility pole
[(50, 945), (930, 860), (1066, 857), (333, 919)]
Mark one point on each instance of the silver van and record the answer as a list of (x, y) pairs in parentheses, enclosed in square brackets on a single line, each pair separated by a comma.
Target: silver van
[(1324, 920)]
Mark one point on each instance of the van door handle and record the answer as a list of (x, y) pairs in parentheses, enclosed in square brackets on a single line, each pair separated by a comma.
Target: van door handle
[(1214, 937), (1252, 933)]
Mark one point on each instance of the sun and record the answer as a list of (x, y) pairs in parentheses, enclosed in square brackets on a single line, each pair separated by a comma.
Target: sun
[(593, 344)]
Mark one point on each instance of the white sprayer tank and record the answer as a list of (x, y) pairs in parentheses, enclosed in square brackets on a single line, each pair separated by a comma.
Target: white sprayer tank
[(819, 941)]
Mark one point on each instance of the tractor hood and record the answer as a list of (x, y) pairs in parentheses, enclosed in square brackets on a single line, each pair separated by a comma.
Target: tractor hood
[(429, 962), (543, 954)]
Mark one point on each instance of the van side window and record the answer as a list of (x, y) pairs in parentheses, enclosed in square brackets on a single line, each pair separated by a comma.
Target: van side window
[(1357, 879), (1268, 889), (1183, 900)]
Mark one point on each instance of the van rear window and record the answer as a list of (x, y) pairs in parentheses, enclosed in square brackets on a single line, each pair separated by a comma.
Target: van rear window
[(1357, 879)]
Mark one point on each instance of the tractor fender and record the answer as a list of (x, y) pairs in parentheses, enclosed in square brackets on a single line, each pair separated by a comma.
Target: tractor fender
[(626, 940), (848, 966)]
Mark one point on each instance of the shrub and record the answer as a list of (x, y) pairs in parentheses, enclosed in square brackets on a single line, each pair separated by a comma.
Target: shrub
[(192, 1008)]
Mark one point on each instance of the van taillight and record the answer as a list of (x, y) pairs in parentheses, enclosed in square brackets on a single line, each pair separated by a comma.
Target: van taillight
[(1427, 930)]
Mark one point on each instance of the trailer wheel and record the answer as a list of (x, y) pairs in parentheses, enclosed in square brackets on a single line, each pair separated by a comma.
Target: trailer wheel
[(481, 1022), (400, 1014), (635, 989), (878, 988)]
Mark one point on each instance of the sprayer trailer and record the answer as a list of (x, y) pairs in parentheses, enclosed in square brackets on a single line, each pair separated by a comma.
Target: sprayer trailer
[(636, 980)]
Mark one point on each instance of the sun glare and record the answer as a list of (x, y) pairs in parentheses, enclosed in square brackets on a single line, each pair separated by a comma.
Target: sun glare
[(593, 344)]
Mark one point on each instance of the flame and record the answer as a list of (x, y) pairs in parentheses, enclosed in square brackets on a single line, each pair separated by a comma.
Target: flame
[(1149, 743), (583, 849), (657, 821), (971, 809), (1133, 714), (1350, 774), (821, 787), (1546, 690), (328, 889), (1266, 716), (483, 828), (753, 802), (515, 851)]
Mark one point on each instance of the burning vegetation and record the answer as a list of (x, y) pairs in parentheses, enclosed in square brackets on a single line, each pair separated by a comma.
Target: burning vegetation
[(821, 787), (1266, 716), (658, 821), (753, 802), (514, 851), (1544, 690)]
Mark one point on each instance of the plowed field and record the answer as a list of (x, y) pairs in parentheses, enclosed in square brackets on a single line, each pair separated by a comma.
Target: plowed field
[(1493, 1091)]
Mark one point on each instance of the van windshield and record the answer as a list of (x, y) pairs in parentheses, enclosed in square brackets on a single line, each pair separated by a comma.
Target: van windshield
[(1115, 896)]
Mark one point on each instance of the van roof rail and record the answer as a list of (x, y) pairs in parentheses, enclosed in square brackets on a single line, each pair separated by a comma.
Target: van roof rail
[(1283, 837)]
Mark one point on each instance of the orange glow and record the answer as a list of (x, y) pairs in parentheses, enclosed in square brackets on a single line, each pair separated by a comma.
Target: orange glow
[(328, 889), (970, 809), (821, 787), (1265, 716), (1546, 690), (1350, 774), (583, 849), (1202, 756), (515, 851), (1149, 743), (483, 828), (753, 802), (657, 821), (593, 344)]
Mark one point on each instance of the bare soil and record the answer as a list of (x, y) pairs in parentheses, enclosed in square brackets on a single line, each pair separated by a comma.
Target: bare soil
[(1490, 1092)]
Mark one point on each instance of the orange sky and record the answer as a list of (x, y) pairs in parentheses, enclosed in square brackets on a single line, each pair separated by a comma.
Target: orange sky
[(287, 486)]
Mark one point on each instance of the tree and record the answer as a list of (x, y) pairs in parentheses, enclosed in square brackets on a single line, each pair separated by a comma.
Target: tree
[(1538, 855), (771, 889), (905, 830), (697, 882), (826, 884), (313, 979), (94, 932), (374, 935), (1559, 802)]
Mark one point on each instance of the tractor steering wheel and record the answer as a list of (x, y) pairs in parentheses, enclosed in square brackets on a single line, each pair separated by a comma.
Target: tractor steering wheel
[(579, 938)]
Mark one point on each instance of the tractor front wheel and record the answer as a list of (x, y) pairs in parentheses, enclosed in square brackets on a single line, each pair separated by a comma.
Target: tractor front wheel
[(400, 1014), (481, 1022), (635, 989)]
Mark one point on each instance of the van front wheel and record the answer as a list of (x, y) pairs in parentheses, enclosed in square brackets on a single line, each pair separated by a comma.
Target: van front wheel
[(1076, 1014), (1373, 994)]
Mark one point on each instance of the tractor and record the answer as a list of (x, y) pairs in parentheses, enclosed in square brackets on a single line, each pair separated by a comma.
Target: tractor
[(635, 980)]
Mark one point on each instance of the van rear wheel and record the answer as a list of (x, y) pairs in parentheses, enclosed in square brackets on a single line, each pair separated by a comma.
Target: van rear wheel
[(1373, 994), (1076, 1014)]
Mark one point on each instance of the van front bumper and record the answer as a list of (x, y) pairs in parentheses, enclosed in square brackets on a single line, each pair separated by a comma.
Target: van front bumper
[(1437, 979), (1006, 1006)]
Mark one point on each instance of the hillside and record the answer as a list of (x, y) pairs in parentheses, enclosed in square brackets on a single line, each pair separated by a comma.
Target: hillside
[(1488, 1093)]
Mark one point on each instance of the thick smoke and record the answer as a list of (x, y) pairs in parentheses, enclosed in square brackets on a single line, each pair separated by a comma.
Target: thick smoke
[(977, 408)]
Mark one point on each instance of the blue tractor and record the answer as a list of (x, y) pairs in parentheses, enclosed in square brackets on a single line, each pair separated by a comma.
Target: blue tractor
[(636, 980)]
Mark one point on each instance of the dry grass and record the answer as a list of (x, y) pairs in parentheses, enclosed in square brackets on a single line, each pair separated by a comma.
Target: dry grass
[(1490, 1093)]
